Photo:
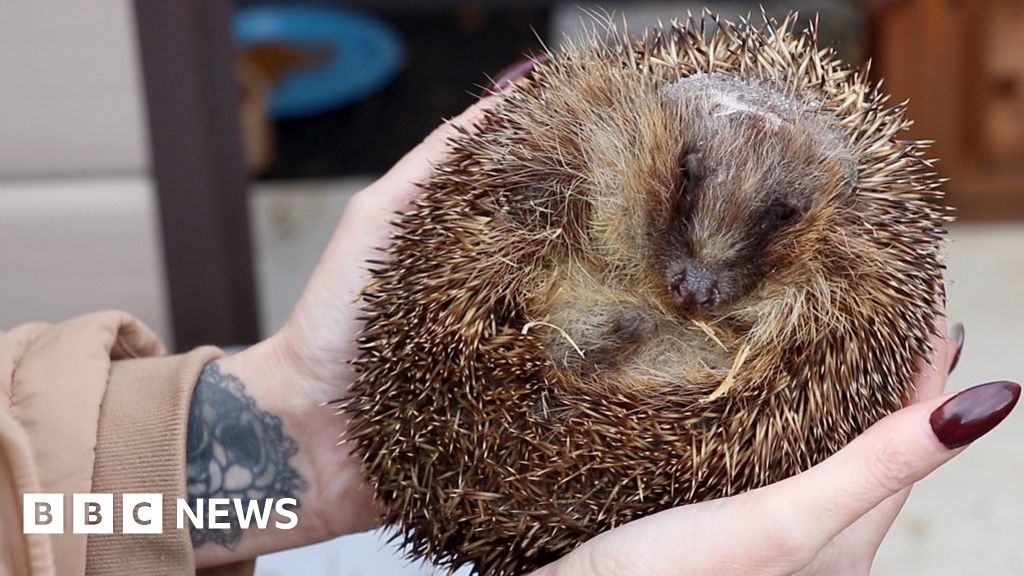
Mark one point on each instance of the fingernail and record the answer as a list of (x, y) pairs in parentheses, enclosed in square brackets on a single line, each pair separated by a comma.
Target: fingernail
[(502, 80), (957, 335), (970, 414)]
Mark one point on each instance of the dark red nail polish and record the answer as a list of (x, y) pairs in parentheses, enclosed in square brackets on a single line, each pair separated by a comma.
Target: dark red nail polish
[(502, 80), (970, 414), (957, 334)]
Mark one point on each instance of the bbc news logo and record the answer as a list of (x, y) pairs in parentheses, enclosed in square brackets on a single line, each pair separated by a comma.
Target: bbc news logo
[(144, 514)]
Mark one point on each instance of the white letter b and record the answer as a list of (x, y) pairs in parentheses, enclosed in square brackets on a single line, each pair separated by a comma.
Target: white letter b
[(42, 513)]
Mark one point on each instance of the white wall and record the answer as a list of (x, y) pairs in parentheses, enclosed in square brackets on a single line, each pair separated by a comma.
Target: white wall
[(78, 226), (70, 97), (72, 246)]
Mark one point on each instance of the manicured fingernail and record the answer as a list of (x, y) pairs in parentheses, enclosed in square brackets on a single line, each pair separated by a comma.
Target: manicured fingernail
[(970, 414), (502, 80), (957, 335)]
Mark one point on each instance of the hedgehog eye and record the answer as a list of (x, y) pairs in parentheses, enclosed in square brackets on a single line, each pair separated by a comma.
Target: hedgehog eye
[(689, 177), (780, 212), (690, 167)]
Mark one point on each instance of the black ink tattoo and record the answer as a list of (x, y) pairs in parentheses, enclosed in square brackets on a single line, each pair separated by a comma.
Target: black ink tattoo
[(234, 450)]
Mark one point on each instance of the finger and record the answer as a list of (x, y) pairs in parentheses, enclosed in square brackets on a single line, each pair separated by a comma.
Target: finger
[(933, 371), (945, 355), (956, 338), (415, 167), (867, 533), (393, 191), (401, 182), (364, 225), (870, 529), (705, 538), (889, 457)]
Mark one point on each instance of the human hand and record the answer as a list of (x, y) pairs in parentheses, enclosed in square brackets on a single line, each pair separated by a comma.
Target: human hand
[(829, 520), (295, 373)]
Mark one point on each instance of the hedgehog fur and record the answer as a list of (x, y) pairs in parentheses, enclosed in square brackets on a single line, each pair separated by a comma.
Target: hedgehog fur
[(535, 367)]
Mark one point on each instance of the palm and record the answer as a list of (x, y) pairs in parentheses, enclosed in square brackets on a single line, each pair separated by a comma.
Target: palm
[(318, 341)]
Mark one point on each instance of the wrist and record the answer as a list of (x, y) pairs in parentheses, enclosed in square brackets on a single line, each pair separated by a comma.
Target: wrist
[(285, 384), (300, 434)]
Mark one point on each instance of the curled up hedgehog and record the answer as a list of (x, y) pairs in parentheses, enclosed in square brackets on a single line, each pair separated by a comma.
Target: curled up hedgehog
[(663, 270)]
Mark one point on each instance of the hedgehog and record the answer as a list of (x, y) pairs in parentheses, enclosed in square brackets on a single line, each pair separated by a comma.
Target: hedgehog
[(661, 270)]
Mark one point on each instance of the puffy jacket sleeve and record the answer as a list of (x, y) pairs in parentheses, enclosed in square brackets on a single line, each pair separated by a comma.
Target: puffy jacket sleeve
[(95, 405)]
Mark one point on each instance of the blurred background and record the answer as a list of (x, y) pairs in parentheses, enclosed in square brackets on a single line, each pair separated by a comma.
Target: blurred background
[(186, 161)]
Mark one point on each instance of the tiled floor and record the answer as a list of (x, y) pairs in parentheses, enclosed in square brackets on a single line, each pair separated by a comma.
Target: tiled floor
[(73, 246)]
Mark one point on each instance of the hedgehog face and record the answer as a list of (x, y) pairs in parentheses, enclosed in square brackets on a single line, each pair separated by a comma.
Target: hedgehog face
[(754, 171)]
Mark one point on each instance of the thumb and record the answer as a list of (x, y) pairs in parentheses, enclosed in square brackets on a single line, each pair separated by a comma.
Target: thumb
[(890, 456), (402, 180)]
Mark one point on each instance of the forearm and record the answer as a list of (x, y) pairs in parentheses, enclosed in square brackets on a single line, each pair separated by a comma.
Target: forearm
[(255, 434)]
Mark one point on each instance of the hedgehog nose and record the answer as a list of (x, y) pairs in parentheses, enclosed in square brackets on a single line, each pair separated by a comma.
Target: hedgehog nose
[(694, 288)]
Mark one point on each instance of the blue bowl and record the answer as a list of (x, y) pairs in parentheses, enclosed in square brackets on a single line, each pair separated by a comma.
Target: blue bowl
[(365, 54)]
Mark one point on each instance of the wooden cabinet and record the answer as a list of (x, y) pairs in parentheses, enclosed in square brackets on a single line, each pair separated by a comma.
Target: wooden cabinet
[(961, 65), (1002, 121)]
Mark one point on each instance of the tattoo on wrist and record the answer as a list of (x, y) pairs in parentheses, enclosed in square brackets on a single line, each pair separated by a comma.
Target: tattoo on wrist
[(235, 450)]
